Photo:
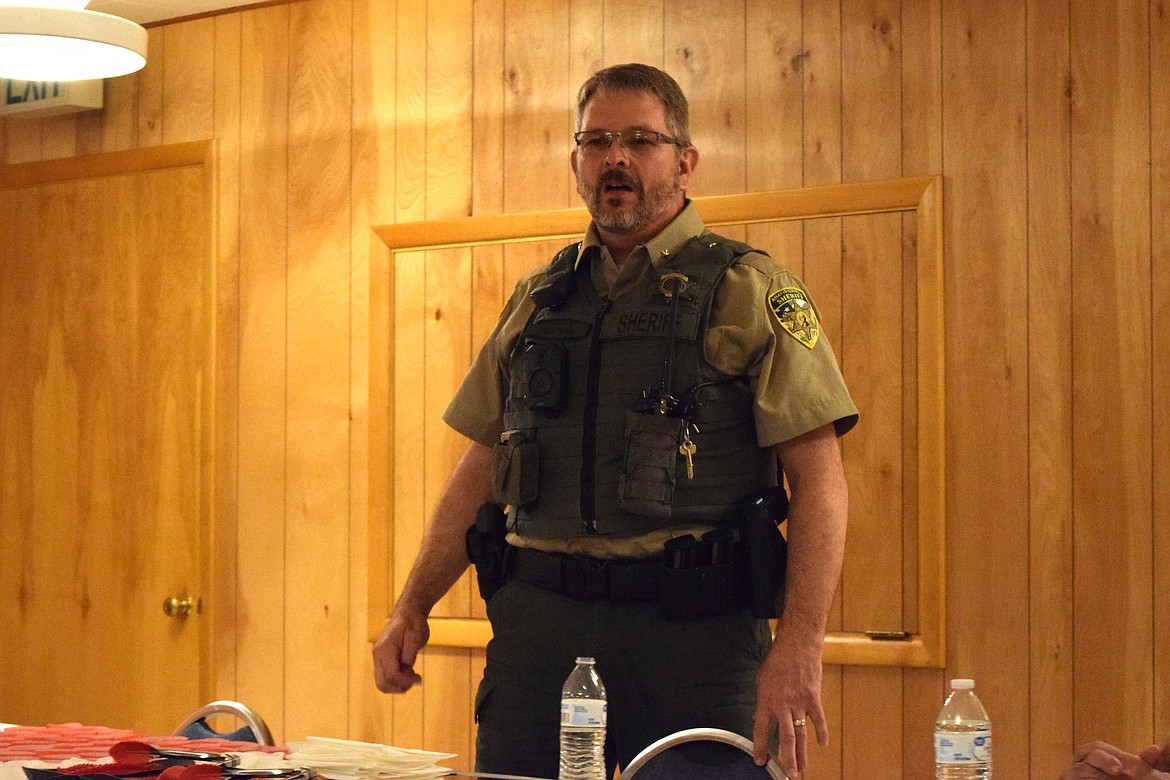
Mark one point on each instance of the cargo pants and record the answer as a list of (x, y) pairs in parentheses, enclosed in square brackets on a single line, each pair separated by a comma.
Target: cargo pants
[(661, 676)]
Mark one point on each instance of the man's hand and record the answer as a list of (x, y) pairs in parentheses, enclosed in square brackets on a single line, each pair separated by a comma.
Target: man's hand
[(405, 634), (1158, 757), (441, 561), (1098, 760), (788, 686), (788, 689)]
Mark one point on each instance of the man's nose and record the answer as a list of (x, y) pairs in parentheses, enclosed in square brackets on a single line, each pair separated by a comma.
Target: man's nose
[(616, 154)]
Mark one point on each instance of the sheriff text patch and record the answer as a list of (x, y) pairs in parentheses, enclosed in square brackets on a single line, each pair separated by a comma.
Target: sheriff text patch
[(795, 314)]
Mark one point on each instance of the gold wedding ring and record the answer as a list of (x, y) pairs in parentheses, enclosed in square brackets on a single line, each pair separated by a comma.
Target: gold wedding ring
[(798, 723)]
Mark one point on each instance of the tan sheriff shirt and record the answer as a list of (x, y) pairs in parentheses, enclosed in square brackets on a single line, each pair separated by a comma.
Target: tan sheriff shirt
[(761, 327)]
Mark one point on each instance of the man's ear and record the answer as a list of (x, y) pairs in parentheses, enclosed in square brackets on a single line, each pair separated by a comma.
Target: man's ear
[(688, 160), (573, 160)]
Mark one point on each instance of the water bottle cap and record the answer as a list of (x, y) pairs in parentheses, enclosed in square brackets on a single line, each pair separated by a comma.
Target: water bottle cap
[(587, 660), (962, 685)]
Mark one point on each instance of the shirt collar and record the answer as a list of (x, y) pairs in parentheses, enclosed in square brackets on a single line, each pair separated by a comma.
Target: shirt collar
[(687, 225)]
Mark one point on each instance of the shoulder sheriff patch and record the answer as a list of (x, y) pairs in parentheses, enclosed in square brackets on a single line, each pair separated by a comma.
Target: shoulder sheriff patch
[(795, 314)]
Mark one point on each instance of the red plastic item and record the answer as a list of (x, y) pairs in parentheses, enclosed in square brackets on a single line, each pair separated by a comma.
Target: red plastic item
[(58, 742)]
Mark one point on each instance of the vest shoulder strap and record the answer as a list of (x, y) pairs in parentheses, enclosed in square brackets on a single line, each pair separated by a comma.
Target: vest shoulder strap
[(560, 280), (735, 248)]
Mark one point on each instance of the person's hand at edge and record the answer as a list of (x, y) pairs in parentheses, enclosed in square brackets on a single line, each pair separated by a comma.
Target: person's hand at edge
[(397, 648), (788, 698)]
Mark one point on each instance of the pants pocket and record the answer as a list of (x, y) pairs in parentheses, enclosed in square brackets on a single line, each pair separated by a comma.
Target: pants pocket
[(482, 696)]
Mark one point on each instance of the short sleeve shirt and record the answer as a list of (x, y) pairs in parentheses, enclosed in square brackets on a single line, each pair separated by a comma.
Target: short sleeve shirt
[(763, 326)]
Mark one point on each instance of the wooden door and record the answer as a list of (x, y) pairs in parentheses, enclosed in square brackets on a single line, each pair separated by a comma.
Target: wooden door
[(105, 438)]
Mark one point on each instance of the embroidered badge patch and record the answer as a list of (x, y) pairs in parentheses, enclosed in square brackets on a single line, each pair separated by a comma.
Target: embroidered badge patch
[(795, 314)]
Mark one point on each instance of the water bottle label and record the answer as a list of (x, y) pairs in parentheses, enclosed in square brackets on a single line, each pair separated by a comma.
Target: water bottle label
[(583, 712), (963, 747)]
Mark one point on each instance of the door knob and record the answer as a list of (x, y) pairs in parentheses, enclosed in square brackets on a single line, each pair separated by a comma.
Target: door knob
[(182, 606)]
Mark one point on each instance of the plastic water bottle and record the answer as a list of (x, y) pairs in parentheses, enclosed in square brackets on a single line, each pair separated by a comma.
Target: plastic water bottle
[(583, 724), (962, 736)]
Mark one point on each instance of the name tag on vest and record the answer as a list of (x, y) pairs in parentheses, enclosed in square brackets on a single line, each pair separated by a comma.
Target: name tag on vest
[(651, 322)]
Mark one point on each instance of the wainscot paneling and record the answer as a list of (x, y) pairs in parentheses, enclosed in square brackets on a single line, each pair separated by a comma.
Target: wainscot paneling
[(330, 116)]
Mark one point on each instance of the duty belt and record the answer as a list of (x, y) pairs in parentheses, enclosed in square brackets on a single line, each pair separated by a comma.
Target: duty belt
[(588, 579)]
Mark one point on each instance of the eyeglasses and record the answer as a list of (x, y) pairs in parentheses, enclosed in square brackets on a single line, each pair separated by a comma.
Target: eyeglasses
[(634, 141)]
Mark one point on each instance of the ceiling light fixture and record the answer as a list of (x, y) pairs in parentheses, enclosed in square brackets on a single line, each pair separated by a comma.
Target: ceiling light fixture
[(61, 41)]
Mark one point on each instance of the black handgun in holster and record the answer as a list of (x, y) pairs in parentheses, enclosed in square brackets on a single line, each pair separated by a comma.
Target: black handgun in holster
[(487, 550), (764, 551)]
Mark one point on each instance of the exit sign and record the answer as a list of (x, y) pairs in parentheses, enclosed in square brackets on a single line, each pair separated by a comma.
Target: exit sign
[(45, 98)]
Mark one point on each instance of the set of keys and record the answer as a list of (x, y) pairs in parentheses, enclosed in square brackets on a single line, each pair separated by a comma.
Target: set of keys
[(687, 449)]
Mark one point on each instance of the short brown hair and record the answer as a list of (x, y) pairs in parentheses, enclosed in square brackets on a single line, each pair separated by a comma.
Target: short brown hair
[(636, 77)]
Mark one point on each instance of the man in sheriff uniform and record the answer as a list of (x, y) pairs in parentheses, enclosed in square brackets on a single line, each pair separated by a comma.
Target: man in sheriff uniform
[(637, 395)]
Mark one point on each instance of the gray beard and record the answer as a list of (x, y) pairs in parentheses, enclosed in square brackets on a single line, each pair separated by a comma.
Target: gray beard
[(647, 208)]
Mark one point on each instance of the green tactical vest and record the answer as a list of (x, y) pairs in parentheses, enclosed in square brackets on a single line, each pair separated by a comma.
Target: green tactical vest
[(598, 456)]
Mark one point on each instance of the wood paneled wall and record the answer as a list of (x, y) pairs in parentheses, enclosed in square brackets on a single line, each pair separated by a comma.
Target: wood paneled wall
[(1048, 120)]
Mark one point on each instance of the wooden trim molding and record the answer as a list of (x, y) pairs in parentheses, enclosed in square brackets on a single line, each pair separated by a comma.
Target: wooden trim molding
[(107, 164), (926, 646)]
